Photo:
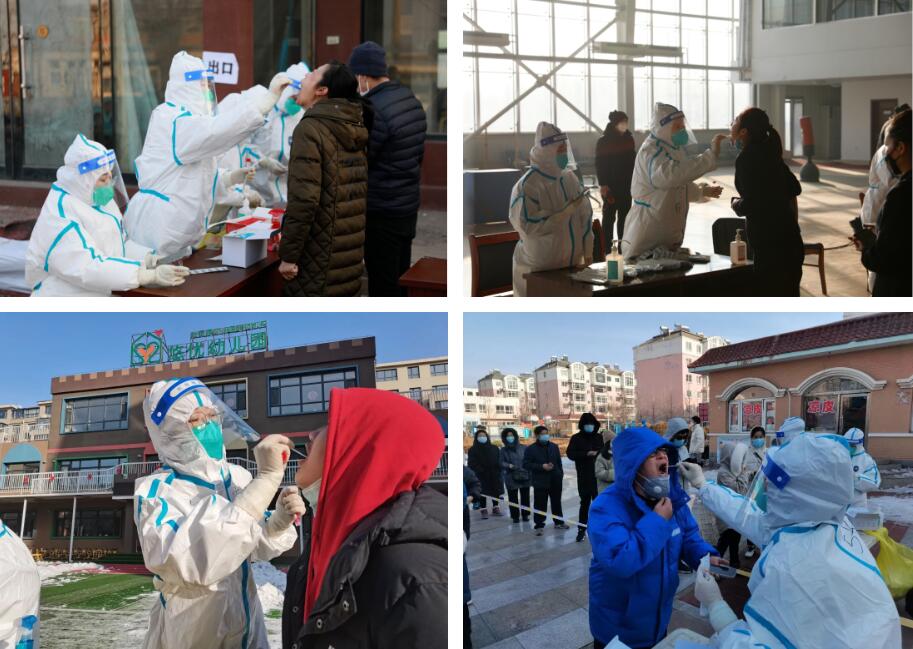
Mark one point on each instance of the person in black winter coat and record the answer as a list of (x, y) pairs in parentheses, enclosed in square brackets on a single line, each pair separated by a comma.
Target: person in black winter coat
[(582, 451), (615, 155), (485, 461), (889, 255), (516, 478), (767, 198), (543, 461), (395, 150)]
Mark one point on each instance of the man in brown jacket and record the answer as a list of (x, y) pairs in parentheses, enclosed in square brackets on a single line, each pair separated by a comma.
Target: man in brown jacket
[(323, 234)]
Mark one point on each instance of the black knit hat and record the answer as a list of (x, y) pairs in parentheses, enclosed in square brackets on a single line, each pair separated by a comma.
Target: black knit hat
[(369, 59)]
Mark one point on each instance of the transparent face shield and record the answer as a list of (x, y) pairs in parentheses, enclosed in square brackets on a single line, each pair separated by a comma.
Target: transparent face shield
[(674, 128), (107, 181), (561, 145), (771, 477), (207, 84), (209, 410)]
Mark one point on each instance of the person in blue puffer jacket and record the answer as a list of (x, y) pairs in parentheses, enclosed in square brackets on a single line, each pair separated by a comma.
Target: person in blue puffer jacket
[(639, 528)]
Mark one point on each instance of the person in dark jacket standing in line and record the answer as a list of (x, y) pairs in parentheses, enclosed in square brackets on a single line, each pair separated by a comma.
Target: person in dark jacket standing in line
[(889, 254), (373, 571), (543, 461), (323, 232), (582, 451), (516, 478), (615, 156), (485, 461), (395, 151), (767, 198)]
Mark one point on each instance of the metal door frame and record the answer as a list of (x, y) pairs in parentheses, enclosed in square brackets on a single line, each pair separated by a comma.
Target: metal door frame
[(15, 47)]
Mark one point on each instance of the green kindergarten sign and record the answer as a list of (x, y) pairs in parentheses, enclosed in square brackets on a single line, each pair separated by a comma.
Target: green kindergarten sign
[(150, 348)]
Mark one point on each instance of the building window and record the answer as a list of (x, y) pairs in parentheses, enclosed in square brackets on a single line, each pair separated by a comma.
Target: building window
[(233, 394), (784, 13), (88, 463), (308, 392), (753, 406), (892, 6), (414, 372), (440, 369), (829, 10), (385, 375), (835, 405), (95, 414), (26, 413), (23, 467), (415, 394), (13, 520), (90, 523), (469, 407)]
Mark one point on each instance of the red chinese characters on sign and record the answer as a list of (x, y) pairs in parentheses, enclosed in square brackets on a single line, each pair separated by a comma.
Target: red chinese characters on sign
[(757, 408), (827, 406), (817, 406), (746, 409)]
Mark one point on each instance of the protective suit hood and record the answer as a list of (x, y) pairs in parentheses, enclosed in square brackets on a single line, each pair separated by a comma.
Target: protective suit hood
[(69, 179), (542, 155), (173, 439), (181, 92), (296, 72), (663, 116), (732, 455), (820, 485), (631, 448), (390, 443)]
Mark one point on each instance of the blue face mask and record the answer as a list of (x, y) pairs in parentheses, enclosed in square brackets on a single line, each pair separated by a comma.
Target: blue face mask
[(103, 195), (291, 107), (209, 435), (588, 428), (758, 443), (738, 145), (510, 439), (482, 439), (680, 137), (678, 443), (655, 488), (562, 160), (544, 438)]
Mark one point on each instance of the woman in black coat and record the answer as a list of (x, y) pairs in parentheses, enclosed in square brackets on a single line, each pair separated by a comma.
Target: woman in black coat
[(485, 461), (767, 198)]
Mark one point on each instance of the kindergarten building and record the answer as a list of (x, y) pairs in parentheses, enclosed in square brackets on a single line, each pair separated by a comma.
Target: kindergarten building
[(857, 372)]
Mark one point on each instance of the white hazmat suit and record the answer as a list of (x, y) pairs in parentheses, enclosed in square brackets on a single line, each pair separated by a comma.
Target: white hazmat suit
[(20, 587), (816, 585), (881, 181), (662, 186), (176, 171), (198, 537), (78, 248), (551, 211), (865, 470)]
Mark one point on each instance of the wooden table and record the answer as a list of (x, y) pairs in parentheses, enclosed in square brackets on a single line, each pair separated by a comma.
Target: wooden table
[(426, 278), (260, 280), (718, 278)]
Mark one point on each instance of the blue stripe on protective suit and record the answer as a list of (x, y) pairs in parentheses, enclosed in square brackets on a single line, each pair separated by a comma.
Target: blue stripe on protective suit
[(767, 624), (245, 575), (174, 135)]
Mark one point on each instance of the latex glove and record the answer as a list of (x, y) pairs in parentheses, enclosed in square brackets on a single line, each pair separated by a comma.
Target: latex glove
[(239, 176), (163, 276), (254, 199), (289, 504), (706, 590), (151, 260), (272, 455), (276, 86), (273, 166), (716, 142), (693, 473)]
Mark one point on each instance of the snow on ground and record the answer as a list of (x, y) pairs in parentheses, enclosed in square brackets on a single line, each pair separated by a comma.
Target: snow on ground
[(894, 508), (270, 585), (55, 571)]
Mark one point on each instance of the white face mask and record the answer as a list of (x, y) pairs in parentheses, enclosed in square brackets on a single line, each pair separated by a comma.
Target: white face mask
[(311, 494)]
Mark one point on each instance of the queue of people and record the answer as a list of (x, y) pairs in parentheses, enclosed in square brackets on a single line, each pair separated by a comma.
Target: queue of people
[(338, 147)]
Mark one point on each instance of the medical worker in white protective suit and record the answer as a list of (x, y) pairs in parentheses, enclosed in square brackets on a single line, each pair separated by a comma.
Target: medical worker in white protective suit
[(20, 587), (881, 181), (663, 184), (78, 245), (177, 174), (865, 471), (550, 210), (816, 585), (201, 521)]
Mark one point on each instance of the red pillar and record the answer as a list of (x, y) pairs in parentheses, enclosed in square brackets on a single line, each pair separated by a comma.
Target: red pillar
[(228, 26)]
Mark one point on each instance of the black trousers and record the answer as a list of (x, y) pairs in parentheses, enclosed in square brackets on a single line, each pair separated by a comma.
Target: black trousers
[(586, 497), (729, 540), (610, 212), (388, 253), (467, 628), (541, 499), (512, 497)]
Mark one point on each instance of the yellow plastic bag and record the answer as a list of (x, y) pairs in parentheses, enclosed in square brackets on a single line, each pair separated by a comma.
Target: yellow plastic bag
[(895, 562)]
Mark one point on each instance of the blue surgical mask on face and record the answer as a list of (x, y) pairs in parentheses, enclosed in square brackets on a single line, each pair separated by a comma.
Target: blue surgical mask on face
[(655, 488), (291, 106), (209, 435), (588, 428), (562, 160), (678, 443), (758, 443), (483, 439), (544, 438), (680, 137), (737, 144), (510, 439), (103, 195)]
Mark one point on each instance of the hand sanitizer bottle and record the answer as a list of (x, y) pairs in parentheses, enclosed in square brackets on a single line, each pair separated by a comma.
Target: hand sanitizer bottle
[(615, 266), (738, 250)]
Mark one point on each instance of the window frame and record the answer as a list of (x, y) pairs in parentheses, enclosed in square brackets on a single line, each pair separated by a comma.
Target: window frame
[(210, 384), (309, 372), (69, 400)]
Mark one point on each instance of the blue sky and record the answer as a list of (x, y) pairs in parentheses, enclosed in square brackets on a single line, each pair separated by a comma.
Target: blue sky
[(520, 342), (37, 346)]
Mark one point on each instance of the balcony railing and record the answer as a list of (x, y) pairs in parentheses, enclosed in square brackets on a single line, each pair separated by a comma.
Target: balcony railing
[(24, 433), (430, 399)]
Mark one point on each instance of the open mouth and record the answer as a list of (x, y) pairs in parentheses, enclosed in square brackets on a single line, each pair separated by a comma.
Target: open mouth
[(663, 467)]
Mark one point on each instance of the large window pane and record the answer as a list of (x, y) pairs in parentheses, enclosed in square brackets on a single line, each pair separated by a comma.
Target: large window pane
[(782, 13), (666, 86), (694, 97), (842, 9), (570, 28), (309, 393), (604, 84), (537, 106), (719, 114), (534, 27), (496, 85), (571, 83), (694, 41), (892, 6), (643, 99), (96, 414)]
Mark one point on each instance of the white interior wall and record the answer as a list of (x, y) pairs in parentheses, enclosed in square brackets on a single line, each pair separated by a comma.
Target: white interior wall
[(856, 100)]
